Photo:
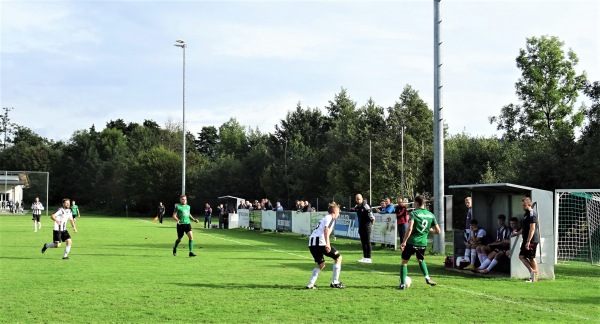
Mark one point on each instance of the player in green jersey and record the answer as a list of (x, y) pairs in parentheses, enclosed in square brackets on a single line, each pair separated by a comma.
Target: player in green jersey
[(420, 223), (182, 216)]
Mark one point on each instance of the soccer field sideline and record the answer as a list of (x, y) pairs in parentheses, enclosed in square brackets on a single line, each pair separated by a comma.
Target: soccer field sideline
[(346, 265)]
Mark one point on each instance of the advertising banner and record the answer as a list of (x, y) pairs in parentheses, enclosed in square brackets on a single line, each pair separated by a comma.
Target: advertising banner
[(244, 218), (268, 220), (284, 220)]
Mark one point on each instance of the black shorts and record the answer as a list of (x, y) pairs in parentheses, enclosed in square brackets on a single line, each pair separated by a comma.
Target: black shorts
[(182, 229), (58, 236), (529, 254), (36, 218), (409, 250), (502, 248), (318, 253)]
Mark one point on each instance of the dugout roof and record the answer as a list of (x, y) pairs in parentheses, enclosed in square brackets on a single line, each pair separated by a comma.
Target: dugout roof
[(495, 188), (12, 180)]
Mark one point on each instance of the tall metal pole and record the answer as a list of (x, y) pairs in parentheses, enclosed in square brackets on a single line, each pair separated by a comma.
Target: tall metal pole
[(438, 137), (370, 176), (182, 44), (402, 169)]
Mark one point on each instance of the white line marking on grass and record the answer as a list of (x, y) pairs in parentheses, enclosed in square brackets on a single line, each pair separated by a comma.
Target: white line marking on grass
[(510, 301), (492, 297)]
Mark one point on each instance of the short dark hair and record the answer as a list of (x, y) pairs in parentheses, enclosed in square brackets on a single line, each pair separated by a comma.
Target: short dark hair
[(419, 200), (502, 217), (66, 199), (514, 219), (474, 222)]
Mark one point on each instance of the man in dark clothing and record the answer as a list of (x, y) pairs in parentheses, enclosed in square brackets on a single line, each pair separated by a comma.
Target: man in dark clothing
[(365, 225), (161, 211), (531, 238)]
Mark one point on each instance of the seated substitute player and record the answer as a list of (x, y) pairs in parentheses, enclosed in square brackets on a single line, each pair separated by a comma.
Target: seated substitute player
[(420, 223), (182, 216), (503, 232), (60, 233), (320, 246), (476, 238), (500, 250)]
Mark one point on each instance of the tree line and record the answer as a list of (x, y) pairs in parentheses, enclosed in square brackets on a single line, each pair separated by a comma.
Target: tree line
[(313, 153)]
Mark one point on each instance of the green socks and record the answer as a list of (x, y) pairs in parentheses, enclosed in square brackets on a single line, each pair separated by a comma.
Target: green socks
[(191, 245), (403, 272), (423, 267)]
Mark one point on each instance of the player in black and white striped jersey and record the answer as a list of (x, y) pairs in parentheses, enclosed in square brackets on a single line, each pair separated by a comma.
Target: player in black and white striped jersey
[(320, 246), (60, 233), (37, 208)]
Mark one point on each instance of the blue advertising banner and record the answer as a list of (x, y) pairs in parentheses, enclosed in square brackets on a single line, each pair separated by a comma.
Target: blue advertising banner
[(284, 221)]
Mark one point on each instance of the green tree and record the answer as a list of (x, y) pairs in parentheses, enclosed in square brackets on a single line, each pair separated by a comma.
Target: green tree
[(547, 91), (207, 141)]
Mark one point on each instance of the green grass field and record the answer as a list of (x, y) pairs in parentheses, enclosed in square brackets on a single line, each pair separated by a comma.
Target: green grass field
[(122, 270)]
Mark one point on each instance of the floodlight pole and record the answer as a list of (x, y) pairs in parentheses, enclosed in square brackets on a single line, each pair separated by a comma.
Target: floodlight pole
[(438, 133), (182, 44)]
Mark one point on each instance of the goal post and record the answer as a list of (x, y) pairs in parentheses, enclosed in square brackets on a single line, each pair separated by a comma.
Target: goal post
[(578, 217), (24, 186)]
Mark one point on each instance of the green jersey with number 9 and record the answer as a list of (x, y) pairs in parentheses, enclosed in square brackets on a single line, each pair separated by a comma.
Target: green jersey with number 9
[(423, 221)]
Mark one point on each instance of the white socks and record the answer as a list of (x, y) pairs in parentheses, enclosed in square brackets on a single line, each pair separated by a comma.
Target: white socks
[(492, 264), (482, 257), (67, 250), (473, 255), (313, 278), (467, 253), (50, 245), (484, 264), (336, 273)]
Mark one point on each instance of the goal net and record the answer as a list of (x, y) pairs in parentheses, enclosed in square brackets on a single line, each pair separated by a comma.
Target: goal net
[(578, 225)]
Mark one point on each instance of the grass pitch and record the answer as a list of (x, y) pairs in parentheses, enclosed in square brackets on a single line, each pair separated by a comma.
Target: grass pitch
[(123, 270)]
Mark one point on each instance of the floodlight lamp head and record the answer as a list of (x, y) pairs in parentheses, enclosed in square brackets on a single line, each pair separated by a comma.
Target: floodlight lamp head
[(180, 41)]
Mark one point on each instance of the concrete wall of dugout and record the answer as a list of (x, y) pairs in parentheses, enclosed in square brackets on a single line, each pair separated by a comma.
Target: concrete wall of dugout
[(491, 200)]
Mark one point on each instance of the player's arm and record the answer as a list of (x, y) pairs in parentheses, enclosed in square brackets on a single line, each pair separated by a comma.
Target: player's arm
[(175, 216), (435, 229), (73, 225), (53, 217), (327, 243), (193, 219)]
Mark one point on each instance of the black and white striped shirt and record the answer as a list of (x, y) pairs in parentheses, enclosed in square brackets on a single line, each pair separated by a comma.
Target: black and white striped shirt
[(37, 208), (317, 238), (62, 215)]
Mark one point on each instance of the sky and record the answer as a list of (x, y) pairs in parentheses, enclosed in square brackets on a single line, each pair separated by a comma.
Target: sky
[(68, 65)]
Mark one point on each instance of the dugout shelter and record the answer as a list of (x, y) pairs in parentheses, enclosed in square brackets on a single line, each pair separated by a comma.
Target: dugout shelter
[(491, 200)]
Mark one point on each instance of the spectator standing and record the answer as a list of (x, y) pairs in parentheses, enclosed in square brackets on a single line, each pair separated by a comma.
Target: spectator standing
[(531, 239), (365, 226), (161, 212), (278, 207), (207, 215), (401, 218)]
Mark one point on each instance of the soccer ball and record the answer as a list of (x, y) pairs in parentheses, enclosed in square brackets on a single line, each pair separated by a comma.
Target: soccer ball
[(408, 282)]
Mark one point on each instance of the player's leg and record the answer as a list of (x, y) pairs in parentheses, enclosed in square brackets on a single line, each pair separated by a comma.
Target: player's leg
[(485, 264), (35, 226), (180, 233), (318, 253), (55, 242), (337, 268), (190, 236), (482, 253), (68, 247), (420, 254), (407, 253)]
